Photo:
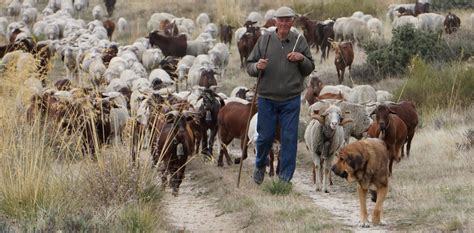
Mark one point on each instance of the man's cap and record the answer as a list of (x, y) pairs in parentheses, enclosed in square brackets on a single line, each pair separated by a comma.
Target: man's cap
[(284, 12)]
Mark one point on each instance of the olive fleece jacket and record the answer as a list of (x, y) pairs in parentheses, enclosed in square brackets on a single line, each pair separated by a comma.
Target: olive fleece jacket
[(282, 79)]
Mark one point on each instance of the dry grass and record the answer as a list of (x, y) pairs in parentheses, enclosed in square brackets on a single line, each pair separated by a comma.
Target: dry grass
[(47, 185), (434, 186)]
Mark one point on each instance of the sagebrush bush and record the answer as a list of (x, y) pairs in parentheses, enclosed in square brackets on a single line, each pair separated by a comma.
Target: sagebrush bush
[(393, 58), (434, 88)]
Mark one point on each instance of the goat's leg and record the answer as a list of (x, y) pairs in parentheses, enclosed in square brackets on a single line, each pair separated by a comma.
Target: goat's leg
[(409, 138), (272, 169), (350, 75), (212, 138), (339, 75), (205, 149)]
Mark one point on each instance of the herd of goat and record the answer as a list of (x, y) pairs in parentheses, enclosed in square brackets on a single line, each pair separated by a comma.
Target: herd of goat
[(110, 87)]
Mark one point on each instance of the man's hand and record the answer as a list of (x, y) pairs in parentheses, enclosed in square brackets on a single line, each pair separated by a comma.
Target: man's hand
[(262, 64), (295, 56)]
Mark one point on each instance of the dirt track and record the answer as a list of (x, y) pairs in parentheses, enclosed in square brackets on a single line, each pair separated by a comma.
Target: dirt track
[(192, 211)]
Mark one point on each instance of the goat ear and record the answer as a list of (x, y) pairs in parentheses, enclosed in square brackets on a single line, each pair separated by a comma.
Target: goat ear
[(392, 112), (345, 121), (318, 118), (356, 161)]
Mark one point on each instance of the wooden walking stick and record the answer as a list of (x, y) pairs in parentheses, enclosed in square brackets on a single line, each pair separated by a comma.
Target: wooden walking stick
[(252, 106)]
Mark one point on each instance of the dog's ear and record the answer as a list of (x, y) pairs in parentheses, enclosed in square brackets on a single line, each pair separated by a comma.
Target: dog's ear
[(356, 161)]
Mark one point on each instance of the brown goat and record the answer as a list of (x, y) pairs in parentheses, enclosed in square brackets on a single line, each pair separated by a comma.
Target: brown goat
[(169, 45), (406, 110), (451, 23), (421, 8), (313, 89), (109, 25), (232, 123), (172, 147), (225, 33), (344, 57), (391, 129), (309, 30), (247, 42)]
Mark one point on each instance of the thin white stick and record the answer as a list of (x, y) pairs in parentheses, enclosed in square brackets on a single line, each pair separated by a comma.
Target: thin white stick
[(297, 39)]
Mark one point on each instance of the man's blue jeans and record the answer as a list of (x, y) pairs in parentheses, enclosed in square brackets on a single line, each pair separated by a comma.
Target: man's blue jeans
[(286, 113)]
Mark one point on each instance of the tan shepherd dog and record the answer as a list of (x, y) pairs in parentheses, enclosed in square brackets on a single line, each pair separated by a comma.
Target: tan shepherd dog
[(365, 161)]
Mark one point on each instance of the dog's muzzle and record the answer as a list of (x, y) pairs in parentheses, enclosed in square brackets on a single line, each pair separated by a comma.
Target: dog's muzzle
[(342, 174)]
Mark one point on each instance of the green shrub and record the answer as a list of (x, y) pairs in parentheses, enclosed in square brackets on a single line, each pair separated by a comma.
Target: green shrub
[(393, 58), (277, 187), (434, 88)]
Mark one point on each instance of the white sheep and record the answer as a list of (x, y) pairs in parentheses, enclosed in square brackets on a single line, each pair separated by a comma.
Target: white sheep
[(68, 6), (128, 77), (375, 27), (366, 18), (151, 58), (96, 71), (355, 29), (338, 28), (344, 90), (118, 116), (183, 67), (122, 25), (161, 75), (270, 14), (80, 5), (97, 13), (324, 136), (69, 58), (141, 84), (405, 20), (255, 17), (431, 22), (14, 8), (202, 20), (197, 47), (38, 28), (212, 29), (219, 56), (139, 70), (115, 85), (383, 96), (362, 94), (358, 14), (29, 15)]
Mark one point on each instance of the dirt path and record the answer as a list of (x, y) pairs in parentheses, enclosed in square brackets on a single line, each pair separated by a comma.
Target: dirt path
[(344, 205), (192, 211)]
